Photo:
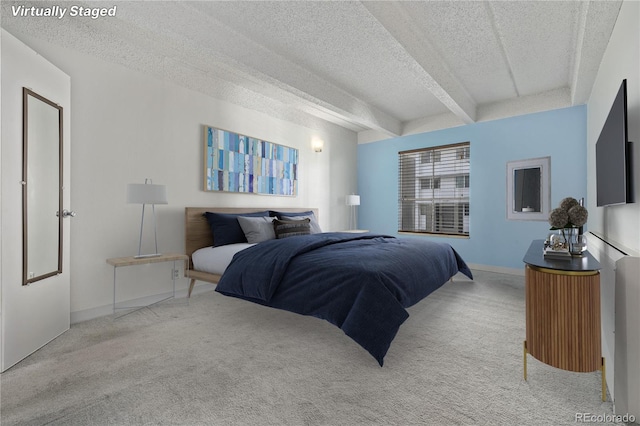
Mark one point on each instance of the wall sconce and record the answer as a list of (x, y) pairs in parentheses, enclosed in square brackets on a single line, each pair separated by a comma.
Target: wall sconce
[(317, 145), (147, 193)]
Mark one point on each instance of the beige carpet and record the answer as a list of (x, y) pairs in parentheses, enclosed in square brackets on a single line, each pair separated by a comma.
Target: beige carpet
[(223, 361)]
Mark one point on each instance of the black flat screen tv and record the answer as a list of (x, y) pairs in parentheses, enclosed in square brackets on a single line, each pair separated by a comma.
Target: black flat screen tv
[(613, 155)]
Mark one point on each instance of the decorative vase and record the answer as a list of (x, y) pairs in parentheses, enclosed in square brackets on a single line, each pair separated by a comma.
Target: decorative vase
[(576, 243), (579, 245), (569, 236)]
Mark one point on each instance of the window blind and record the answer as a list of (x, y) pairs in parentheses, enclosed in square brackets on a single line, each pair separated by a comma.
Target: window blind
[(434, 190)]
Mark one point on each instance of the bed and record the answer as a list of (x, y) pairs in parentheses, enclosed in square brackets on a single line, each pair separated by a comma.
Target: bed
[(198, 235), (360, 282)]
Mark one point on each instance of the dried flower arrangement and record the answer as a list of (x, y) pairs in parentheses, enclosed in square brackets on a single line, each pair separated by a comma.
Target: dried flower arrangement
[(570, 214)]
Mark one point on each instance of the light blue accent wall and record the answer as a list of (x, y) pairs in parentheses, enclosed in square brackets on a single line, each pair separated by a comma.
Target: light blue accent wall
[(494, 240)]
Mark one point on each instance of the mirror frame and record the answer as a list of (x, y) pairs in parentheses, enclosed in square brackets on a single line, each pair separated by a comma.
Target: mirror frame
[(26, 93), (544, 164)]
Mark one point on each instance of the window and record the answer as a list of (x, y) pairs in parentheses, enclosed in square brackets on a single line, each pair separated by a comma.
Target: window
[(462, 181), (434, 190), (463, 153), (430, 157), (429, 183)]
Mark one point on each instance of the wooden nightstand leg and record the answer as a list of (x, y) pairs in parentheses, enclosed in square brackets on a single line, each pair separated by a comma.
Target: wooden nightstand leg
[(604, 381), (191, 284), (524, 347)]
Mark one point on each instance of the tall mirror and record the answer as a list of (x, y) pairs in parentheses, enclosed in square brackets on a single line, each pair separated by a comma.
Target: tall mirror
[(41, 187), (528, 189)]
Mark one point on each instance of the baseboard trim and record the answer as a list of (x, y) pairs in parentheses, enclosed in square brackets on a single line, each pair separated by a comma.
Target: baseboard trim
[(498, 269), (105, 310)]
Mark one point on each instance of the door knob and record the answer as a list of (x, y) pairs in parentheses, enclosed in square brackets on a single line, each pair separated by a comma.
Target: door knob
[(67, 213)]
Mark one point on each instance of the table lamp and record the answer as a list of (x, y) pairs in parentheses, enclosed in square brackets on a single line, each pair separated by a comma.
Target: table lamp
[(353, 201), (147, 193)]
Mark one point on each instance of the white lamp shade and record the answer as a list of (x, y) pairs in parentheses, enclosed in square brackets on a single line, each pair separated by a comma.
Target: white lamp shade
[(353, 200), (146, 193)]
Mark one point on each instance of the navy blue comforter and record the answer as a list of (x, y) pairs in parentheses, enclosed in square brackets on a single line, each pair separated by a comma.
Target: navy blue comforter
[(361, 283)]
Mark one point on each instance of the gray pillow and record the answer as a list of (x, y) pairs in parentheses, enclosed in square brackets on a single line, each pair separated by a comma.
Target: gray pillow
[(315, 227), (257, 229)]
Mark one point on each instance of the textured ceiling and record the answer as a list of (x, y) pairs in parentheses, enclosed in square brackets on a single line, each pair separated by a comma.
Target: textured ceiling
[(378, 68)]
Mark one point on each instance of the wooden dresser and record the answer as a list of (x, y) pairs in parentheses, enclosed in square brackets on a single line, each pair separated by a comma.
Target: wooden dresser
[(563, 312)]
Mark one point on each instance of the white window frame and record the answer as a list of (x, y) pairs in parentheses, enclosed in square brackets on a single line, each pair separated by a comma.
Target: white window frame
[(544, 164)]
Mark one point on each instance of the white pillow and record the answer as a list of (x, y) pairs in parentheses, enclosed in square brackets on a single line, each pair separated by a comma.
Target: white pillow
[(315, 227), (257, 229)]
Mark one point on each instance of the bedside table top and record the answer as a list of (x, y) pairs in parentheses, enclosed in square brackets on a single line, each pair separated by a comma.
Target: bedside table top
[(132, 260), (535, 257)]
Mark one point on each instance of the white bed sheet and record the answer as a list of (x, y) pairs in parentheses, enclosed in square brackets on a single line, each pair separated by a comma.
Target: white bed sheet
[(215, 260)]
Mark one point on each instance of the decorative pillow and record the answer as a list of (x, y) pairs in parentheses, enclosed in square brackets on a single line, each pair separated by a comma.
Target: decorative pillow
[(292, 214), (257, 229), (226, 229), (291, 228), (315, 227)]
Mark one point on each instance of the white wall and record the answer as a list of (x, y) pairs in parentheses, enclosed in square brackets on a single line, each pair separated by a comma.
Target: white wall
[(128, 126), (35, 314), (619, 225)]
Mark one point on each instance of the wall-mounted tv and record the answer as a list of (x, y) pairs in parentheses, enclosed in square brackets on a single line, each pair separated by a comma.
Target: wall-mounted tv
[(613, 155)]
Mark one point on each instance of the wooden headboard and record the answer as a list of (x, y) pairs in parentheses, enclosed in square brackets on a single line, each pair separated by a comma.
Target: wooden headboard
[(198, 232)]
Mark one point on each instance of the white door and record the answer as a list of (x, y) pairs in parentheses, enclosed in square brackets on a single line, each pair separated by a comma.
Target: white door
[(34, 310)]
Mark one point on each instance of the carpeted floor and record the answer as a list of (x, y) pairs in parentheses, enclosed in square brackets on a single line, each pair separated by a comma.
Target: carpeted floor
[(223, 361)]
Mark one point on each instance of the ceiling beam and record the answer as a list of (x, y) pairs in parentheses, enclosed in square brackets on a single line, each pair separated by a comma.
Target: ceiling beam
[(164, 41), (317, 95), (420, 55), (596, 18), (500, 42)]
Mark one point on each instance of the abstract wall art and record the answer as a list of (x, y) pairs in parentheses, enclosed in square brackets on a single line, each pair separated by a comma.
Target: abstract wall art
[(247, 165)]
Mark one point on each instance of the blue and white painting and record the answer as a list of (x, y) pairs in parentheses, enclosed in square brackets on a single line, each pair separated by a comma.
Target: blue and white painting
[(239, 163)]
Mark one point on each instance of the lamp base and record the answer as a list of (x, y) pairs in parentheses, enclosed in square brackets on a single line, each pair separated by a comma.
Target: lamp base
[(142, 256)]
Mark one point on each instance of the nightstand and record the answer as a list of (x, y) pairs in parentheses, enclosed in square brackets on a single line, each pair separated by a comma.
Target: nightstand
[(118, 262), (563, 312)]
